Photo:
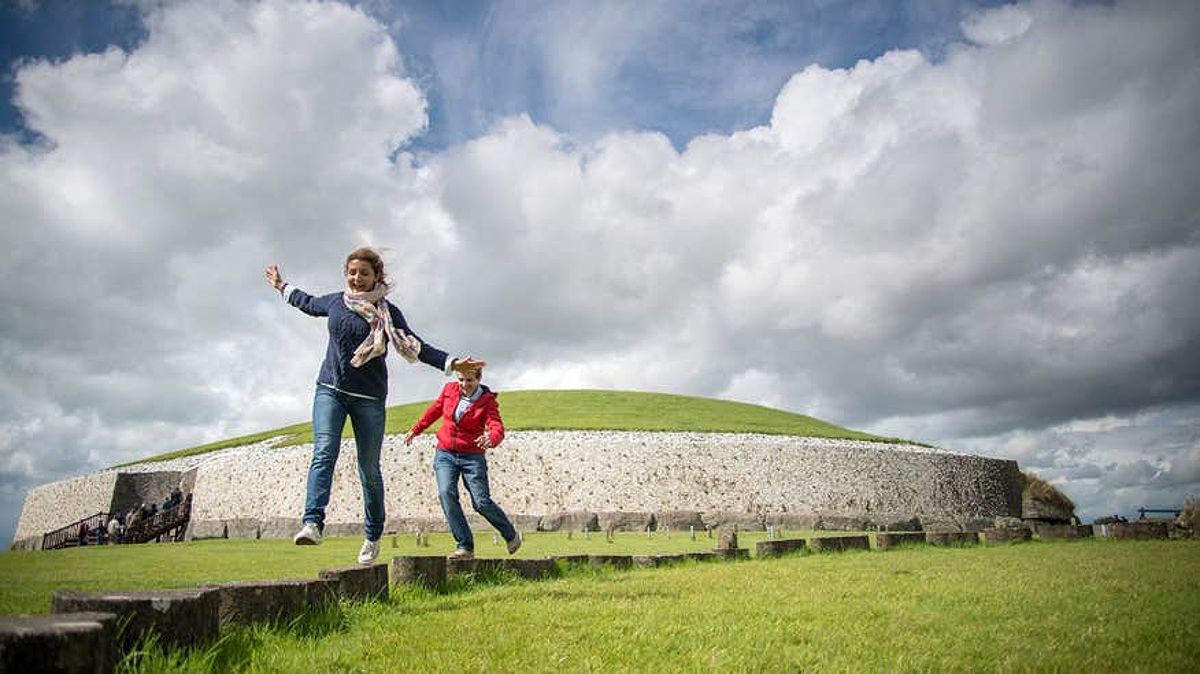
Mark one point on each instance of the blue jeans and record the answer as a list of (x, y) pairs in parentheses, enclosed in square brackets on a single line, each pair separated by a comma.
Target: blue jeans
[(367, 417), (448, 466)]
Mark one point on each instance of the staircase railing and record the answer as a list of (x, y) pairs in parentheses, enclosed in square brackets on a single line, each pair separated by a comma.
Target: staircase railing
[(171, 523), (69, 536)]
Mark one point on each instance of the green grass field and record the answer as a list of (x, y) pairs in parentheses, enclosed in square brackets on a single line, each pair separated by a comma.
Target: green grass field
[(1062, 606), (592, 410)]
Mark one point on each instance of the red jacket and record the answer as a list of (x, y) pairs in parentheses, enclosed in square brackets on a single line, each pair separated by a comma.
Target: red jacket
[(460, 436)]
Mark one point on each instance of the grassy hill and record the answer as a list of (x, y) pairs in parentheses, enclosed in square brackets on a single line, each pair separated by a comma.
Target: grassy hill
[(593, 410)]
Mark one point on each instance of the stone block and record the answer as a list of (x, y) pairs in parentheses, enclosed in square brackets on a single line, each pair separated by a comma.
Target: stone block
[(343, 529), (358, 583), (1003, 535), (657, 560), (842, 523), (262, 601), (625, 521), (243, 527), (526, 522), (743, 521), (62, 642), (679, 520), (897, 523), (1058, 532), (727, 538), (702, 556), (199, 530), (279, 527), (411, 525), (731, 553), (951, 538), (1141, 530), (839, 543), (793, 521), (573, 559), (779, 547), (885, 540), (532, 569), (425, 571), (575, 520), (179, 618), (615, 561)]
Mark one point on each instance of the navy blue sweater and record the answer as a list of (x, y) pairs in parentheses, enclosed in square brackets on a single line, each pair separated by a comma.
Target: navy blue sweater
[(346, 331)]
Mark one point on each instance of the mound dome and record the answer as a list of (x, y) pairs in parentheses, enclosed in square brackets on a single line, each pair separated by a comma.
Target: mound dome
[(576, 459)]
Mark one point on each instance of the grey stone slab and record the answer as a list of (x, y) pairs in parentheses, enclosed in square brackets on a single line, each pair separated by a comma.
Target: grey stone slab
[(343, 529), (743, 521), (615, 561), (839, 543), (951, 538), (574, 520), (279, 527), (262, 601), (1003, 535), (574, 559), (679, 520), (893, 539), (83, 643), (702, 556), (199, 530), (1053, 532), (732, 553), (779, 547), (625, 521), (242, 527), (179, 618), (1141, 530), (359, 583), (425, 571)]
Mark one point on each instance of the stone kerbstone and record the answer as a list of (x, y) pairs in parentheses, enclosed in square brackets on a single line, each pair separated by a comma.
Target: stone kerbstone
[(892, 539), (529, 569), (532, 569), (743, 521), (779, 547), (199, 530), (1052, 532), (793, 521), (1003, 535), (651, 561), (625, 521), (679, 520), (1140, 530), (839, 543), (615, 561), (411, 525), (242, 527), (951, 538), (360, 582), (574, 559), (180, 618), (727, 538), (831, 522), (279, 527), (342, 529), (732, 553), (263, 601), (702, 556), (576, 520), (425, 571), (63, 642)]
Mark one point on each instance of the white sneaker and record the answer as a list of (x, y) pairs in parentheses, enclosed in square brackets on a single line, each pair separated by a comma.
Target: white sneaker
[(368, 552), (309, 534), (459, 553), (515, 543)]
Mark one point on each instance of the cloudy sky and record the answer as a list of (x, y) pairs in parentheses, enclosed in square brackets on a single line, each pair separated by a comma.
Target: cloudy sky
[(967, 223)]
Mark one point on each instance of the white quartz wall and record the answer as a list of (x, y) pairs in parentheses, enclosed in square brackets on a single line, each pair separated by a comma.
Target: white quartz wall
[(58, 504), (537, 473)]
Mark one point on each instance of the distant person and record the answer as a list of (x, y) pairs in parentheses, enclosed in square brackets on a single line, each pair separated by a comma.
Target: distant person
[(470, 426), (83, 533), (114, 530), (352, 382)]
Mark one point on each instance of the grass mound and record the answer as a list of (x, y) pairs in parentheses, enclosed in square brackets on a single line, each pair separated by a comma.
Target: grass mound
[(592, 410), (1041, 490)]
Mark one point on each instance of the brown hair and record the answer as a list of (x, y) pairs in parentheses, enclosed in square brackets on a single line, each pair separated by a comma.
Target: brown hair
[(368, 255)]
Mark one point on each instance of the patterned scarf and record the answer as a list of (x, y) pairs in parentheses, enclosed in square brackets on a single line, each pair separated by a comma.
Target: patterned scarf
[(373, 307)]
